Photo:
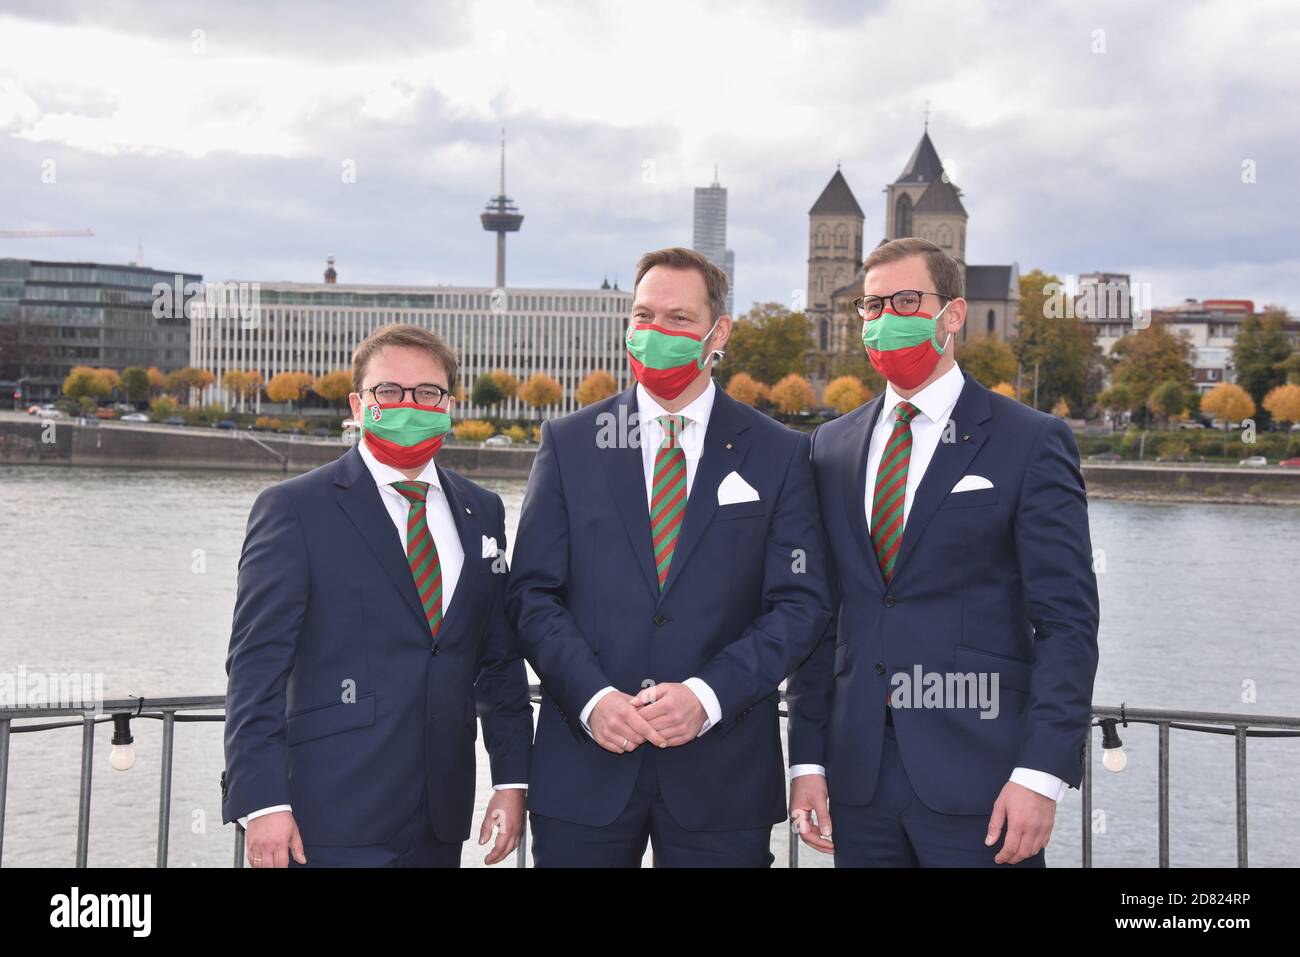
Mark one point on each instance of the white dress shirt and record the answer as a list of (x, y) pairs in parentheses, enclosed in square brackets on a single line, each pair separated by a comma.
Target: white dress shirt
[(446, 539), (934, 406), (692, 444)]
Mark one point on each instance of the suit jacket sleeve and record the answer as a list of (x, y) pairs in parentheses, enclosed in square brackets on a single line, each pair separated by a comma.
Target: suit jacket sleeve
[(808, 694), (548, 633), (1054, 552), (270, 604), (796, 598), (501, 691)]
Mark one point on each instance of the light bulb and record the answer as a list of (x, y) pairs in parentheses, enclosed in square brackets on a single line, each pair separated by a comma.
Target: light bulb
[(1114, 759), (122, 757)]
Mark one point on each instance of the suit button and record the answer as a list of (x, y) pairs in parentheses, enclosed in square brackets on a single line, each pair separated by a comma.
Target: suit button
[(880, 668), (660, 620), (889, 601), (435, 651)]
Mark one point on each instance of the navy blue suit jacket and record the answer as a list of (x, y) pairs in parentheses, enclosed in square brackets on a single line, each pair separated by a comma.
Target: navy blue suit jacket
[(996, 580), (746, 599), (326, 598)]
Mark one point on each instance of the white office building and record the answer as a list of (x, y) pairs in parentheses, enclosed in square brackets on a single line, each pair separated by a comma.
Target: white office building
[(314, 328)]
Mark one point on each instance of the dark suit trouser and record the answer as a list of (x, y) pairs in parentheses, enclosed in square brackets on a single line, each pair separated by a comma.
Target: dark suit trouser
[(414, 845), (897, 830), (622, 843)]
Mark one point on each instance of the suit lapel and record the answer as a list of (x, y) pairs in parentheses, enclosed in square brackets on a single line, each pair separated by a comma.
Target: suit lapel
[(469, 531), (856, 452), (723, 452), (358, 496), (626, 475), (948, 464)]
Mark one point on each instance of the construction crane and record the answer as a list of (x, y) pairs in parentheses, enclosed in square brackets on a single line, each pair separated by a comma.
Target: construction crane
[(44, 233)]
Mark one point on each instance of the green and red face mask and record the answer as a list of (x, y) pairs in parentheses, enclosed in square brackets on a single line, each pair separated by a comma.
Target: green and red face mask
[(666, 361), (403, 434), (904, 349)]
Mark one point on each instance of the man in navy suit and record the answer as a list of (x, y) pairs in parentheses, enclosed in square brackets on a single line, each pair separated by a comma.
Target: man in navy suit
[(946, 711), (369, 636), (668, 575)]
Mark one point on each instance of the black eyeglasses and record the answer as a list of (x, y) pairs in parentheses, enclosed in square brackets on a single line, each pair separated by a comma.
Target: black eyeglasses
[(905, 302), (426, 393)]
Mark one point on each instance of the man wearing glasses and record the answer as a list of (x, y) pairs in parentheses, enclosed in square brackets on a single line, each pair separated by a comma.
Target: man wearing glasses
[(945, 711), (369, 636), (669, 572)]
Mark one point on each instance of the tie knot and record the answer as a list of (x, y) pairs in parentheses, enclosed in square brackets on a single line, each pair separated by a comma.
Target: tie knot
[(672, 426), (412, 491), (905, 411)]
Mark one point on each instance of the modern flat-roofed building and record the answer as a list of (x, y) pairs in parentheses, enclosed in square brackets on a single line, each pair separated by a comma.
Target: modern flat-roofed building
[(314, 328), (57, 315), (710, 234)]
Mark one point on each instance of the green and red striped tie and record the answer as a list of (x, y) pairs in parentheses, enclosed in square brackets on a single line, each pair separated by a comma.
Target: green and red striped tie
[(422, 553), (891, 491), (668, 496)]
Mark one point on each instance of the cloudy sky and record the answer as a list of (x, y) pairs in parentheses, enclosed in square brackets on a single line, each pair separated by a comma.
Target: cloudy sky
[(1098, 136)]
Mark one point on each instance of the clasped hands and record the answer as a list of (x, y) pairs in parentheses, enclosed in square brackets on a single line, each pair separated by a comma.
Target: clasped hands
[(665, 715)]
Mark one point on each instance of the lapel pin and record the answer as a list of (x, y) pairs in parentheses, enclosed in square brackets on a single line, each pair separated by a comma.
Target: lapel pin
[(728, 445), (468, 512), (965, 438)]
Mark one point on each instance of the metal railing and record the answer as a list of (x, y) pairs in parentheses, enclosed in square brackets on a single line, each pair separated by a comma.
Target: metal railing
[(173, 710)]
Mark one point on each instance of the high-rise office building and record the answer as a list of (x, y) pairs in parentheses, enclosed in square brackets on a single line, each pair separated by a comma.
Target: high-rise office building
[(711, 233)]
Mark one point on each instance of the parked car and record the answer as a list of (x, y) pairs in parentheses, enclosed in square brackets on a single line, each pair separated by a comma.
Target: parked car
[(50, 412), (497, 440), (135, 417), (105, 414), (1191, 424), (173, 420), (226, 424), (323, 432), (1254, 461), (1290, 463), (1106, 457)]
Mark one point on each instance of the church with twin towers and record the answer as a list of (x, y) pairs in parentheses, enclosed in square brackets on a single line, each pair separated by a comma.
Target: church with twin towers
[(921, 202)]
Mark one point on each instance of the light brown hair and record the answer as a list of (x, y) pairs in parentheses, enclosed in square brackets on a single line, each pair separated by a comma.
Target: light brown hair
[(943, 269), (677, 257), (408, 337)]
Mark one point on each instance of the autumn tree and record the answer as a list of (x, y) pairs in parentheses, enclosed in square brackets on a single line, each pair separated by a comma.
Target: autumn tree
[(84, 382), (472, 430), (487, 391), (793, 394), (156, 380), (988, 359), (539, 391), (1283, 404), (768, 342), (846, 393), (1230, 403), (1147, 358), (288, 386), (1004, 388), (855, 363), (186, 380), (334, 387), (596, 386), (743, 387), (507, 383)]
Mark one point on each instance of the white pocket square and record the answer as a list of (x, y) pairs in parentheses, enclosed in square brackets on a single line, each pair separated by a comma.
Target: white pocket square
[(735, 489), (970, 483), (489, 547)]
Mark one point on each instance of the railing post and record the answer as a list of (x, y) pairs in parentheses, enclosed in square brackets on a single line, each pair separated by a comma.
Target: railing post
[(4, 778), (521, 851), (1164, 793), (165, 789), (794, 845), (1242, 853), (239, 846), (87, 767), (1085, 858)]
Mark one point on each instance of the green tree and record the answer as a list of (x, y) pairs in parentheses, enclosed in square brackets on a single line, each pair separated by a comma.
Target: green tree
[(1258, 353), (988, 359), (1059, 344), (1148, 358), (1168, 400), (487, 391), (135, 383), (769, 342)]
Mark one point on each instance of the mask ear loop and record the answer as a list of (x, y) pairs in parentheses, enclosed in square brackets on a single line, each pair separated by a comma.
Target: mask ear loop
[(714, 354), (944, 350)]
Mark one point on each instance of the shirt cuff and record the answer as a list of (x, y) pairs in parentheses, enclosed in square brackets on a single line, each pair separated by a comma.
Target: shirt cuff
[(712, 710), (510, 787), (243, 821), (1048, 785), (591, 705), (799, 770)]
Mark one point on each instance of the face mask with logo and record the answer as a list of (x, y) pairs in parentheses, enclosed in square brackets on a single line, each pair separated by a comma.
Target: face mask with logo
[(904, 349), (666, 361), (403, 434)]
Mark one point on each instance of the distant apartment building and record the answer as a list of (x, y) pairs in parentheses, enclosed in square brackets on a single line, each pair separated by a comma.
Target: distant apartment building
[(710, 237), (57, 315), (314, 328)]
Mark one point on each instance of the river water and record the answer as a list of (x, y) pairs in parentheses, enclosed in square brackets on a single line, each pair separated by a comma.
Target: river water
[(131, 574)]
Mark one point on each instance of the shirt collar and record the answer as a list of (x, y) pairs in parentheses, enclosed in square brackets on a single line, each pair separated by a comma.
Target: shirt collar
[(935, 401), (387, 475), (698, 411)]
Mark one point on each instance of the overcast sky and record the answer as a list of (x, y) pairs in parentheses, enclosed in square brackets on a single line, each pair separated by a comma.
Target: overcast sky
[(1101, 136)]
